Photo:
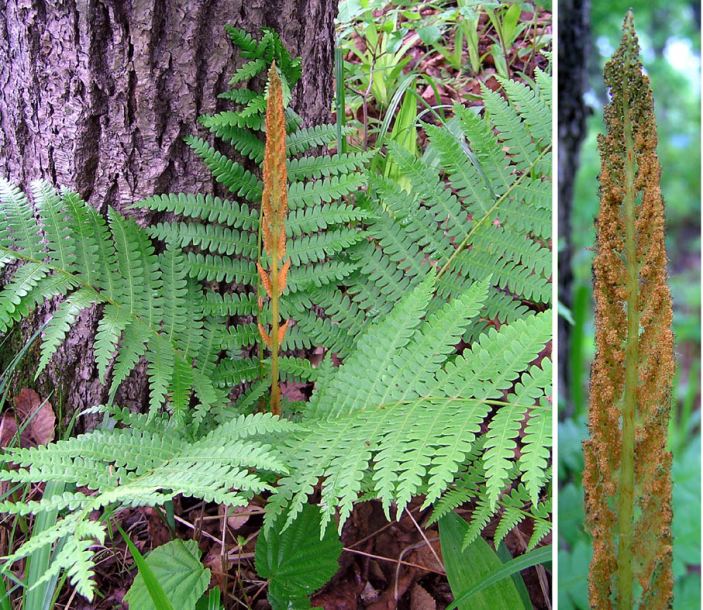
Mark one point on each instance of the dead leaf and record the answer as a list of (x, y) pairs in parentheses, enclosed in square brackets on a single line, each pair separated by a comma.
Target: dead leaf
[(237, 517), (420, 599), (39, 414), (8, 429)]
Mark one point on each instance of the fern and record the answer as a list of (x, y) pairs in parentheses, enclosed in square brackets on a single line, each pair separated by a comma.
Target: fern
[(391, 281), (494, 216), (221, 238), (74, 253), (403, 411), (627, 467), (145, 464)]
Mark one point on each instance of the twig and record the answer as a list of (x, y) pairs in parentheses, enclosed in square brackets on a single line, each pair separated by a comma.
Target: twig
[(422, 533), (405, 563)]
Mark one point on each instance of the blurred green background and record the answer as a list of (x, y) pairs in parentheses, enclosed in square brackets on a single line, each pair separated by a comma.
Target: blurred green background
[(670, 40)]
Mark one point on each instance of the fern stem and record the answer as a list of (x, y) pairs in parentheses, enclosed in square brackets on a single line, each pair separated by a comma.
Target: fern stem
[(627, 462), (275, 347)]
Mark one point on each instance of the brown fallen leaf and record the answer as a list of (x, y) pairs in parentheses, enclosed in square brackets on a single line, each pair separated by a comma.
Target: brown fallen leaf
[(420, 599), (38, 415), (8, 429), (237, 517)]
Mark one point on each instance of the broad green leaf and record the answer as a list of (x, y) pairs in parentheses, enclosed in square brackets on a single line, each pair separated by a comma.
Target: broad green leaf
[(297, 562), (177, 570), (467, 569)]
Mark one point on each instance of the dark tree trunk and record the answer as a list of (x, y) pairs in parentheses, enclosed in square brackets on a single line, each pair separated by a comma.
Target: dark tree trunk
[(574, 42), (97, 95)]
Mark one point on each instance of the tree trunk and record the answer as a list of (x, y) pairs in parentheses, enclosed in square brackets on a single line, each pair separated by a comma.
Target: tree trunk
[(97, 95), (574, 43)]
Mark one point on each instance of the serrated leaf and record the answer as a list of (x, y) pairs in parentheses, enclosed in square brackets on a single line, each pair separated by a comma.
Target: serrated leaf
[(297, 562), (177, 568)]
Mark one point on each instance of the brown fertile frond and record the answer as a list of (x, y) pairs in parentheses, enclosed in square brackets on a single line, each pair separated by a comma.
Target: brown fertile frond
[(274, 208), (274, 200), (627, 477)]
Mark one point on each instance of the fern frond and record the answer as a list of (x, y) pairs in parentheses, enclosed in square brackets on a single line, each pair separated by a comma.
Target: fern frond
[(18, 231), (204, 207), (137, 468), (144, 297), (326, 190), (211, 237), (368, 418), (304, 139), (244, 41), (534, 111), (312, 167), (511, 130), (238, 180), (310, 220), (500, 449), (61, 322), (55, 221), (248, 71), (23, 281)]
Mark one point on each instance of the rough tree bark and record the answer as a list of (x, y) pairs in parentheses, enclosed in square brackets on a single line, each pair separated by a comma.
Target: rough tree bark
[(574, 44), (97, 95)]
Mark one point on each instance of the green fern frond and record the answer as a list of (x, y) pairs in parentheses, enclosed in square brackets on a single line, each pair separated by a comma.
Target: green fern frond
[(61, 322), (204, 207), (131, 467), (238, 180), (326, 190), (495, 219), (248, 71), (244, 41), (312, 167), (307, 138), (409, 433), (512, 132), (144, 297), (18, 232)]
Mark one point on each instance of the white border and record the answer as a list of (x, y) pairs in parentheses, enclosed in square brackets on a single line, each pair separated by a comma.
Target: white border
[(555, 305)]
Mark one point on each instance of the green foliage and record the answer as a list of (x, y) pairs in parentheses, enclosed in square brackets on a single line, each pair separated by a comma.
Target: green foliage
[(494, 216), (177, 568), (390, 280), (145, 464), (221, 237), (466, 567), (401, 416), (297, 562), (144, 298), (155, 595)]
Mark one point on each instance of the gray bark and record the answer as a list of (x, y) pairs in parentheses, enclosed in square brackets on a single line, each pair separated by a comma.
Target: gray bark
[(574, 45), (97, 95)]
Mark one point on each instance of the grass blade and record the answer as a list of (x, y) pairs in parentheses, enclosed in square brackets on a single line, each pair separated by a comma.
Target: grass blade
[(156, 592)]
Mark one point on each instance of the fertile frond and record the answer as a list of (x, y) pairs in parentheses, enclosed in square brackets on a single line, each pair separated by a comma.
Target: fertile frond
[(221, 240), (627, 465)]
